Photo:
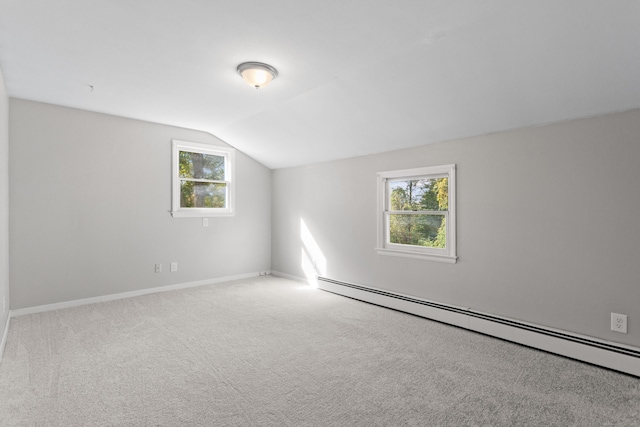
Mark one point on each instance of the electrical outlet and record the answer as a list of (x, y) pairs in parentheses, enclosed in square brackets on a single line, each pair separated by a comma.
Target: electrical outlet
[(158, 268), (174, 267), (619, 322), (205, 222)]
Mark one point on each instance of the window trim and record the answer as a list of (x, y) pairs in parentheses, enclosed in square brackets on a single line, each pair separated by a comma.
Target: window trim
[(217, 150), (384, 247)]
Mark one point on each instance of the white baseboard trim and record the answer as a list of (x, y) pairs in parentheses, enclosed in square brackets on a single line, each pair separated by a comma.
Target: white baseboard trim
[(122, 295), (619, 357), (5, 334), (289, 276)]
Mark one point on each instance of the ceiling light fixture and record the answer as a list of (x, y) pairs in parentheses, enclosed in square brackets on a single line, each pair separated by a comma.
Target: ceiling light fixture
[(257, 74)]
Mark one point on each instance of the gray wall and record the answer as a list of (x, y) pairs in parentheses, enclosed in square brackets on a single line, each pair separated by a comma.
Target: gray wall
[(90, 201), (548, 228), (4, 206)]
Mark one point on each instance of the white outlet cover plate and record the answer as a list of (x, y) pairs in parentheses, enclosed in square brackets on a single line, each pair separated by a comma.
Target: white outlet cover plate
[(619, 322)]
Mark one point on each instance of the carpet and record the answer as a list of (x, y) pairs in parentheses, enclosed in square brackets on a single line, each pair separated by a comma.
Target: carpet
[(269, 351)]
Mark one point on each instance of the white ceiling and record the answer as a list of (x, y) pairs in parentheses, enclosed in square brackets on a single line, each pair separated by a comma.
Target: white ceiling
[(355, 76)]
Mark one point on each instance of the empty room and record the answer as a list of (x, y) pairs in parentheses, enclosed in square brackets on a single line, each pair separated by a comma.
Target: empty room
[(337, 213)]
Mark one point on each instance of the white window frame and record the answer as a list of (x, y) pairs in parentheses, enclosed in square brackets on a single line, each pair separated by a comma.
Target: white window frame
[(448, 254), (229, 167)]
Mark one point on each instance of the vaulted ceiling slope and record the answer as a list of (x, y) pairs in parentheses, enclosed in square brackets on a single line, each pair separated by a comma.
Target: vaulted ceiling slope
[(356, 76)]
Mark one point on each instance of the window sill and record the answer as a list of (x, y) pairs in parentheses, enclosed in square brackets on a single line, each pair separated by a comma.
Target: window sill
[(418, 255), (200, 214)]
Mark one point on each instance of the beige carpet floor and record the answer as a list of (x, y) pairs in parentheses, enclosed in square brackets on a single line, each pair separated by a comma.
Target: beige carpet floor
[(272, 352)]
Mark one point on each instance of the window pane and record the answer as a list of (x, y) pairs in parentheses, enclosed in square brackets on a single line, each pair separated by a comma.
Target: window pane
[(418, 230), (429, 194), (202, 195), (201, 166)]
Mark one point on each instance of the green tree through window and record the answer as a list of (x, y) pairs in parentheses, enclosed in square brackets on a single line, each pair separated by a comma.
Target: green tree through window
[(197, 171), (423, 200)]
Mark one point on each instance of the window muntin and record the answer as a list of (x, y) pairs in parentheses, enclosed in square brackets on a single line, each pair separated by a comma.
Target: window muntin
[(417, 213), (202, 179)]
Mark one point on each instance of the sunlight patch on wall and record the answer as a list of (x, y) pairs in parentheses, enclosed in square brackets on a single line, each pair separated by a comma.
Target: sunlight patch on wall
[(313, 262)]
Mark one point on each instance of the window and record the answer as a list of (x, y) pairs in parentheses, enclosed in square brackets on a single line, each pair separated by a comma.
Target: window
[(202, 180), (416, 213)]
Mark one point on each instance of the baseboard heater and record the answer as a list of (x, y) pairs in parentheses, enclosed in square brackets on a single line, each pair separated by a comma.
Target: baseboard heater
[(587, 349)]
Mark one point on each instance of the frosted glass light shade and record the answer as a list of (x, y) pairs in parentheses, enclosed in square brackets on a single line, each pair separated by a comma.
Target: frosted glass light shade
[(257, 74)]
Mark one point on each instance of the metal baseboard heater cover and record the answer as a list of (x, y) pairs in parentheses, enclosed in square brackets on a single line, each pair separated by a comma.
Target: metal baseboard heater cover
[(610, 355)]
